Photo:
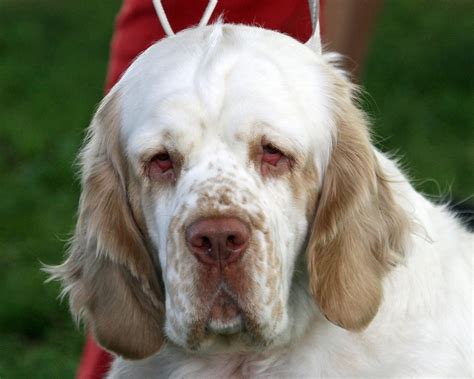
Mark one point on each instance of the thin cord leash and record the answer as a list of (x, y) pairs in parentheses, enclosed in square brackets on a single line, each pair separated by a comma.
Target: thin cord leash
[(208, 12), (314, 41), (314, 11), (165, 24)]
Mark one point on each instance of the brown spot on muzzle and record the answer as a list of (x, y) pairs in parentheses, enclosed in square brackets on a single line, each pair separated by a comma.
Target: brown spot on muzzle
[(196, 334)]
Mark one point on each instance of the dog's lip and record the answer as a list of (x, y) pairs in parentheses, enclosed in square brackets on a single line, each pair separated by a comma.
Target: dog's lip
[(225, 315), (232, 326)]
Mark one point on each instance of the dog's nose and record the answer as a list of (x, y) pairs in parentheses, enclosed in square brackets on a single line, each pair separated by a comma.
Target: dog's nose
[(218, 240)]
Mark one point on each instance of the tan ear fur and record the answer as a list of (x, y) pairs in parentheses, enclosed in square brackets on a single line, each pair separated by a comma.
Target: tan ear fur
[(358, 231), (109, 274)]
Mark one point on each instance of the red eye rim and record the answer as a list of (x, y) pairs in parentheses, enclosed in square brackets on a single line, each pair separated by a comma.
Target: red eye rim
[(271, 154), (162, 161)]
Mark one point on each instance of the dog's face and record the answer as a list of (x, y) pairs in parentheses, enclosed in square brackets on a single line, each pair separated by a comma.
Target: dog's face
[(224, 158), (226, 155)]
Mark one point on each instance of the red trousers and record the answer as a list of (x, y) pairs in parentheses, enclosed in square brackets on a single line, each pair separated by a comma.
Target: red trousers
[(137, 27)]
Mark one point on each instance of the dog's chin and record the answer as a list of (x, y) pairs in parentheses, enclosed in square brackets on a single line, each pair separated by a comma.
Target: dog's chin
[(225, 315), (227, 327), (229, 339)]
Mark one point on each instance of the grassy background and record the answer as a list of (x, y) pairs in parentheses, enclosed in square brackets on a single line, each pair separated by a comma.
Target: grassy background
[(53, 57)]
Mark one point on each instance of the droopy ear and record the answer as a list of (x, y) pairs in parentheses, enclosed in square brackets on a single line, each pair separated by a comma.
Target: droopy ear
[(109, 274), (358, 231)]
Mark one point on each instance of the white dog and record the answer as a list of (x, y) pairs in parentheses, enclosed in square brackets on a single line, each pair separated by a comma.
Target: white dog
[(235, 221)]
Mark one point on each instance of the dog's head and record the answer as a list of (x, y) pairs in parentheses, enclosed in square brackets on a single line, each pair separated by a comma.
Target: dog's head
[(229, 187)]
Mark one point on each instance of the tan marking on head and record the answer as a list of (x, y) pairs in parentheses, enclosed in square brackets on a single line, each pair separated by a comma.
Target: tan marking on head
[(304, 185), (255, 152)]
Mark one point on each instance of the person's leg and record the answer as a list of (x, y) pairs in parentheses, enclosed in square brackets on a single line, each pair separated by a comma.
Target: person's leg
[(348, 26), (95, 362)]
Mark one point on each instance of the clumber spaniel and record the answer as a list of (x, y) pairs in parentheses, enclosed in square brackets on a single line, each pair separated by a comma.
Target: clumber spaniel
[(235, 221)]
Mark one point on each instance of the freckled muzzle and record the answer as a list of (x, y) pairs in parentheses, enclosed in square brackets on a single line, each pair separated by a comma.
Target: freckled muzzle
[(219, 243), (221, 249)]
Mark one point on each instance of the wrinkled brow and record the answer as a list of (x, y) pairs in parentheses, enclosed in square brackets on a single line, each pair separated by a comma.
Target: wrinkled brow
[(262, 133)]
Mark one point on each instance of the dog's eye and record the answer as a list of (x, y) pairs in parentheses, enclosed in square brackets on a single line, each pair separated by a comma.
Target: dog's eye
[(273, 161), (271, 154), (163, 161), (160, 167)]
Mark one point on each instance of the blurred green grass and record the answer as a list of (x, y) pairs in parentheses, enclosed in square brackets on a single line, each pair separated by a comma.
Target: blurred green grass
[(420, 79), (53, 57)]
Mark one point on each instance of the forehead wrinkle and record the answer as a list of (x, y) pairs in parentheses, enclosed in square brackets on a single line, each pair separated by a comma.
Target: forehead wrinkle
[(211, 75), (236, 81)]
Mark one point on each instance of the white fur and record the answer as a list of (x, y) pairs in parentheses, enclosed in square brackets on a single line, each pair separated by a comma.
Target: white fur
[(213, 89)]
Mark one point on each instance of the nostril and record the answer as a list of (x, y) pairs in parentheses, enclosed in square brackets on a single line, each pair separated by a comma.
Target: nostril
[(218, 240), (230, 240), (235, 241), (200, 242), (206, 243)]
